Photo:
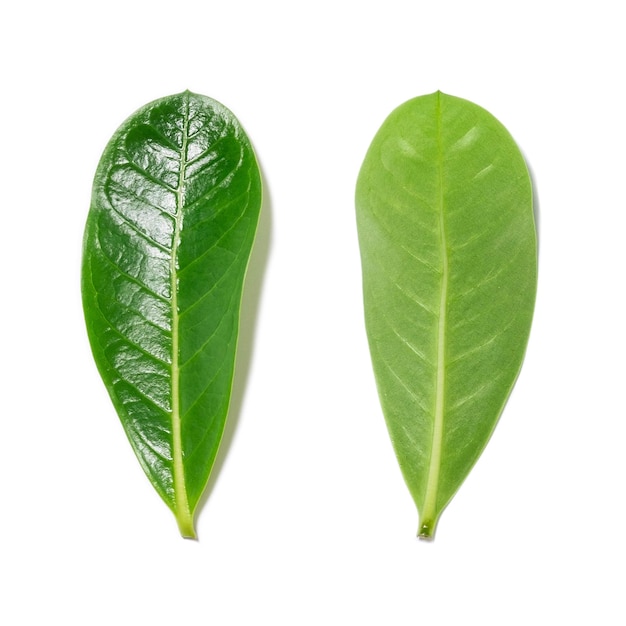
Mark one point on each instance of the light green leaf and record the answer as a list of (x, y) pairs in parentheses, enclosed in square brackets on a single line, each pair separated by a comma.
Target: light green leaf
[(174, 210), (449, 259)]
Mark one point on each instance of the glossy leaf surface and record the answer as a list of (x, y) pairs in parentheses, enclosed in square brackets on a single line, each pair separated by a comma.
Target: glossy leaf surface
[(174, 210), (449, 261)]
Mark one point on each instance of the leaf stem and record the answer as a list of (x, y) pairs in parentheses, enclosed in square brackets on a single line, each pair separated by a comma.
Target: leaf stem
[(427, 529), (429, 513), (184, 516)]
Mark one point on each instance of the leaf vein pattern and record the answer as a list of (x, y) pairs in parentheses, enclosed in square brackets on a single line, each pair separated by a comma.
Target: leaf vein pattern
[(222, 208), (408, 190), (392, 238), (209, 339), (186, 311), (477, 391), (149, 444), (212, 246), (193, 115), (470, 240), (164, 138), (511, 258), (418, 353), (409, 391), (117, 186), (228, 176), (391, 326), (165, 411), (482, 345), (139, 232), (113, 326), (218, 127), (207, 151), (148, 176), (205, 169), (132, 344), (198, 445), (413, 298), (406, 212), (206, 389), (130, 278)]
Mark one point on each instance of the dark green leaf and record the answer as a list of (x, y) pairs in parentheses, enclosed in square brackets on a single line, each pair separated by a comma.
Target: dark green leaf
[(449, 258), (174, 210)]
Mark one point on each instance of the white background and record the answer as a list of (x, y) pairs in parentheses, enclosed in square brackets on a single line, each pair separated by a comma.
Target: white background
[(307, 519)]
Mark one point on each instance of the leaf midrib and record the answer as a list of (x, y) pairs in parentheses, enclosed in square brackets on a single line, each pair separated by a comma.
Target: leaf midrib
[(429, 512), (183, 514)]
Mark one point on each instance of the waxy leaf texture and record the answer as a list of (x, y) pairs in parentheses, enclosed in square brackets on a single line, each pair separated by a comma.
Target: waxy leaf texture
[(174, 210), (449, 261)]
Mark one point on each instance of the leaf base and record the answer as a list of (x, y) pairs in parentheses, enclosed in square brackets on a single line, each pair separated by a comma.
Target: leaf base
[(427, 529), (185, 526)]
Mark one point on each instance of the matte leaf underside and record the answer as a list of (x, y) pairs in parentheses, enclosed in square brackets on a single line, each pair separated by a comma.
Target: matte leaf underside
[(175, 206), (449, 260)]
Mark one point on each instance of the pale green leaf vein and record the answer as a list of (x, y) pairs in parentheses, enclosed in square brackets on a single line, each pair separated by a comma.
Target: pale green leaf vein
[(210, 338), (180, 487), (418, 353), (167, 141), (130, 278), (217, 186), (410, 192), (416, 399), (429, 514), (140, 392), (397, 208), (205, 390), (493, 275), (481, 346), (147, 238), (395, 241), (478, 391), (412, 297), (214, 244), (211, 150), (131, 343), (224, 206), (157, 451), (121, 189), (143, 173)]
